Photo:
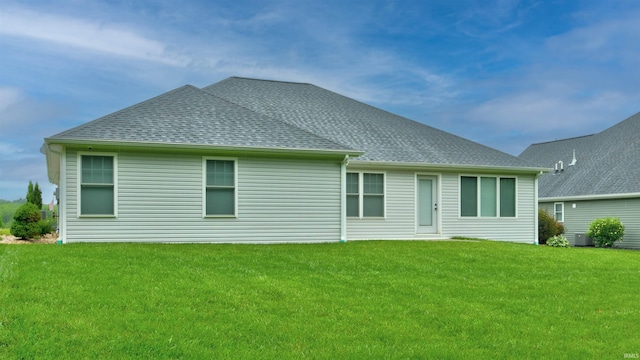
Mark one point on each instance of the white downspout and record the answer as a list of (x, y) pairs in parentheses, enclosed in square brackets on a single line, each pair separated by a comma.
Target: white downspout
[(535, 208), (62, 191), (343, 199), (62, 205)]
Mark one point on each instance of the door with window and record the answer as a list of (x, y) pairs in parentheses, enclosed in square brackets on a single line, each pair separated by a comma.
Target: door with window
[(427, 205)]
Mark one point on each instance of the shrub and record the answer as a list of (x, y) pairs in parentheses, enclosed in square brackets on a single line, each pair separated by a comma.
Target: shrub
[(558, 241), (45, 226), (606, 231), (547, 226), (25, 222)]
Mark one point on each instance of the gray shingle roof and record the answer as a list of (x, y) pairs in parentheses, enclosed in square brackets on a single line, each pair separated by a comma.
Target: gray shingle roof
[(253, 113), (383, 136), (188, 115), (606, 163)]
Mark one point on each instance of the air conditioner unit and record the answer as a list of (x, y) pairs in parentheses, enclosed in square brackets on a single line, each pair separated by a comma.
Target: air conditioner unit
[(583, 240)]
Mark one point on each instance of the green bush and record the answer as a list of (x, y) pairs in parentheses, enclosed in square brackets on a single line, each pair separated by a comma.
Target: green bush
[(46, 226), (558, 241), (548, 227), (26, 222), (606, 231)]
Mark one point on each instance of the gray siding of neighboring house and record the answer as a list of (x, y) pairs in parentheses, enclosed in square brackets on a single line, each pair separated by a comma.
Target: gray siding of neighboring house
[(160, 198), (577, 220), (400, 220)]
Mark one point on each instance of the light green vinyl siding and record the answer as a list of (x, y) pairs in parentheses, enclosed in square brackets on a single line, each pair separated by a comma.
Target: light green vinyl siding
[(400, 217), (160, 199)]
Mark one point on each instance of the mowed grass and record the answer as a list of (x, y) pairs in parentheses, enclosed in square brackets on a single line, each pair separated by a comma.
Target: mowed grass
[(357, 300)]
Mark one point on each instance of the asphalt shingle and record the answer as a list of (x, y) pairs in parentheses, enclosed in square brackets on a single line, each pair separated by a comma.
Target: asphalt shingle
[(606, 163), (188, 115), (253, 113), (383, 136)]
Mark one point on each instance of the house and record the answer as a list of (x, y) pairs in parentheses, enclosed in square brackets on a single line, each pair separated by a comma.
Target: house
[(247, 160), (593, 176)]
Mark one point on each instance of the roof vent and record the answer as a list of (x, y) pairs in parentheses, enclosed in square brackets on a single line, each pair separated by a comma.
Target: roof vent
[(573, 161), (559, 167)]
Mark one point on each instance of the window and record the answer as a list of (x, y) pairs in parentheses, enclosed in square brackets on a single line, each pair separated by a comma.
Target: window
[(507, 197), (365, 195), (558, 211), (487, 196), (97, 189), (220, 188), (353, 194)]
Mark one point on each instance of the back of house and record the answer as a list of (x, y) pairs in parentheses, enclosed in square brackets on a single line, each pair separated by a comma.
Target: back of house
[(247, 160)]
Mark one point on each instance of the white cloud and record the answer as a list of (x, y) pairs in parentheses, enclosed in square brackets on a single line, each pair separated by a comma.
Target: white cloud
[(94, 36), (8, 97)]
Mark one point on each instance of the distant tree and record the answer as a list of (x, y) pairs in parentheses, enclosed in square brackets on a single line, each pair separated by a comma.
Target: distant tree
[(34, 195), (1, 224), (37, 196), (30, 192)]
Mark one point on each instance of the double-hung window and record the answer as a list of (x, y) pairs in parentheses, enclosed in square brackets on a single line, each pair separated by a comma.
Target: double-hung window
[(558, 211), (220, 187), (97, 185), (487, 196), (365, 195)]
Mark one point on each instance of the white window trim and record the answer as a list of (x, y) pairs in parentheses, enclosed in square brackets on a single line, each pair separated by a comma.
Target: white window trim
[(204, 187), (479, 204), (561, 211), (361, 194), (79, 184)]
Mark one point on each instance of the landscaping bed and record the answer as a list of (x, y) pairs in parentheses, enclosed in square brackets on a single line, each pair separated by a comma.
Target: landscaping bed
[(46, 239)]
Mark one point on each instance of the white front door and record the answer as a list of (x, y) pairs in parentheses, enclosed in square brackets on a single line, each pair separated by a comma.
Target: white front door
[(427, 205)]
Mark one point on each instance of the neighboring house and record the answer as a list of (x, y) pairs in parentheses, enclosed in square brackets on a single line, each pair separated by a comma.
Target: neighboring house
[(597, 176), (248, 160)]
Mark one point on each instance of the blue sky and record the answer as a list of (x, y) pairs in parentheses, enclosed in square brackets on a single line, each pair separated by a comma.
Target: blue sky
[(503, 73)]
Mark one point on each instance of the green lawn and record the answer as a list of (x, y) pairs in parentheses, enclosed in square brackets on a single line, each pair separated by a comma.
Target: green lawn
[(362, 300)]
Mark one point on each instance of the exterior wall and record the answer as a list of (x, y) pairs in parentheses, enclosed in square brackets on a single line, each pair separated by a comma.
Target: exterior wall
[(577, 220), (160, 199), (399, 222), (521, 228), (400, 213)]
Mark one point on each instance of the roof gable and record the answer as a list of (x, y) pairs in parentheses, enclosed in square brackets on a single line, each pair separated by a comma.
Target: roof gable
[(606, 163), (383, 136)]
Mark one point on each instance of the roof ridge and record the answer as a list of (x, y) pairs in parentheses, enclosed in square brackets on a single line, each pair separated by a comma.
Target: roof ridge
[(275, 119), (130, 107), (565, 139), (268, 80)]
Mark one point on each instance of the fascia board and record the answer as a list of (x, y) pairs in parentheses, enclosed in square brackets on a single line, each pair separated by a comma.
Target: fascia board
[(590, 197), (447, 167), (200, 147)]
